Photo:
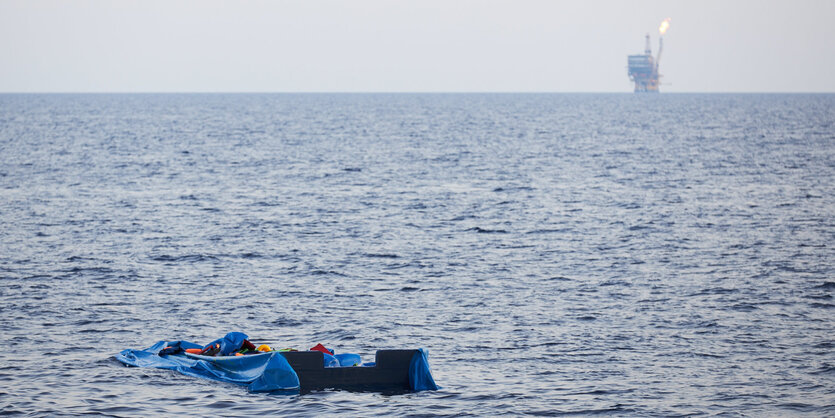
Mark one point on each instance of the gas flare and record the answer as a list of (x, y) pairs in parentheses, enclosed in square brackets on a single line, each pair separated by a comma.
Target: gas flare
[(664, 26)]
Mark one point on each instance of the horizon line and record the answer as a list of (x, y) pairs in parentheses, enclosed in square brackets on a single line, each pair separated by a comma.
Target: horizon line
[(416, 92)]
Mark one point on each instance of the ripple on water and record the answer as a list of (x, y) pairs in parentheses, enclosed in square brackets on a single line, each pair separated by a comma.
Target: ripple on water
[(557, 254)]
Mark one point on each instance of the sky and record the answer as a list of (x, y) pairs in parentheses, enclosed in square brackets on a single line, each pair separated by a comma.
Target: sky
[(411, 46)]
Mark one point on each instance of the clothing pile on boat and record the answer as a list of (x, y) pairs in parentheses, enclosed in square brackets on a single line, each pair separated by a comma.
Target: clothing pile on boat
[(238, 344)]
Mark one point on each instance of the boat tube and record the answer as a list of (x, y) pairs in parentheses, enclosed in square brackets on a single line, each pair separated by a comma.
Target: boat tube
[(392, 371)]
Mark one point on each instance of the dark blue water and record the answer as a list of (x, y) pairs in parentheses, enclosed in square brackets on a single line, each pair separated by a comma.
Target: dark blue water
[(625, 254)]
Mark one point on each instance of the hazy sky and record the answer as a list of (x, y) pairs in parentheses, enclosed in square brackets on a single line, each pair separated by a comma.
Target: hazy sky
[(411, 46)]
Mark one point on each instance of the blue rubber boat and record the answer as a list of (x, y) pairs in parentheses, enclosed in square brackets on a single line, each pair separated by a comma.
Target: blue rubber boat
[(298, 371)]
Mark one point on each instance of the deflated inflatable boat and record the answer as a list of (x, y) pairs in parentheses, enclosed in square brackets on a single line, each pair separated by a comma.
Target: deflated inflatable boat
[(393, 370)]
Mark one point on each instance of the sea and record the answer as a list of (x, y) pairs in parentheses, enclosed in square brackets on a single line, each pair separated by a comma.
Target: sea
[(555, 254)]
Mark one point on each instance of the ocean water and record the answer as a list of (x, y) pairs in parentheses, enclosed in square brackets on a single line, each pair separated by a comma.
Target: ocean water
[(595, 253)]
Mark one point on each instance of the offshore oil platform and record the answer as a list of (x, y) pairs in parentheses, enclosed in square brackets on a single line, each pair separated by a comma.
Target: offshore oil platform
[(643, 68)]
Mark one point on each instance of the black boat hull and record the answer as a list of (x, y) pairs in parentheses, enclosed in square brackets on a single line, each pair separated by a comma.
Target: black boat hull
[(389, 374)]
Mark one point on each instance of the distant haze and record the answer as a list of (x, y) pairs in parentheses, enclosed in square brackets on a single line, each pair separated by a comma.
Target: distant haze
[(411, 46)]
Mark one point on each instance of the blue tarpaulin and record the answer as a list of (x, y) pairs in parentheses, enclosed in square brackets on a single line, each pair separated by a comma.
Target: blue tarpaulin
[(420, 377), (259, 372), (230, 343)]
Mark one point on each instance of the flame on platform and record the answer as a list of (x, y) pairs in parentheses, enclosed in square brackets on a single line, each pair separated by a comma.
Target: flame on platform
[(664, 26)]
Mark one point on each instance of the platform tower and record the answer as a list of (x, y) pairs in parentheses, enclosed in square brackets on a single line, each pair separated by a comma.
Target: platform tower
[(643, 68)]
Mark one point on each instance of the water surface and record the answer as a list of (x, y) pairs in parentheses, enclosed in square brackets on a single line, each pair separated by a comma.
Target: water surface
[(624, 254)]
